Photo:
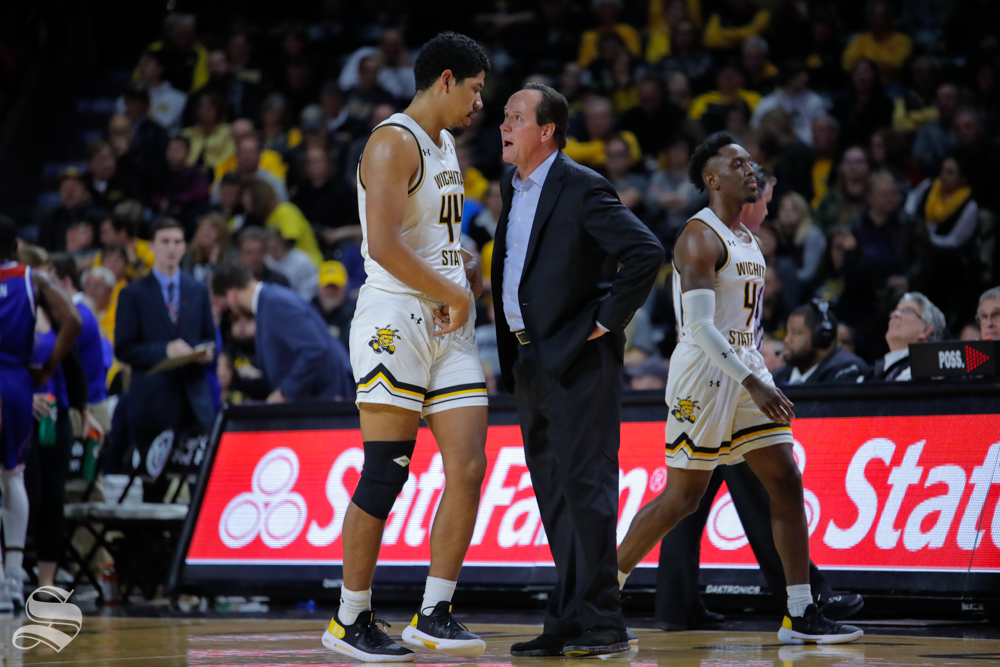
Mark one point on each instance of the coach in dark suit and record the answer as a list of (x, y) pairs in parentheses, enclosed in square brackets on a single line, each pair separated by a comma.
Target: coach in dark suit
[(165, 315), (570, 264), (299, 356)]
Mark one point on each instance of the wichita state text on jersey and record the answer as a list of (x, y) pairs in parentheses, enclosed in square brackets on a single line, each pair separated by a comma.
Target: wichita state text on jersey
[(739, 285), (432, 224)]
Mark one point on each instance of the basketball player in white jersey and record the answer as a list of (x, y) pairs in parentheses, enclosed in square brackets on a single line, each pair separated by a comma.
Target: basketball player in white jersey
[(413, 351), (724, 408)]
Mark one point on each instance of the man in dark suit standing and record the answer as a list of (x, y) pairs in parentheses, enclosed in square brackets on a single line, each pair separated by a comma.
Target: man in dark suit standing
[(561, 238), (300, 358), (165, 315)]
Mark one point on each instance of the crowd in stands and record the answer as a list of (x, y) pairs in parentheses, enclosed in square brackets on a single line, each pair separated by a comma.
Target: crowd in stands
[(875, 124)]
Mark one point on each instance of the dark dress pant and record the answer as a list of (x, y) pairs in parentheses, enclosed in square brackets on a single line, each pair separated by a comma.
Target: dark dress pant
[(571, 431)]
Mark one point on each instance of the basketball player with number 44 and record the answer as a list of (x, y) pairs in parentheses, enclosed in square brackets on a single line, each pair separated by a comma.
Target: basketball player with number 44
[(413, 351), (724, 407)]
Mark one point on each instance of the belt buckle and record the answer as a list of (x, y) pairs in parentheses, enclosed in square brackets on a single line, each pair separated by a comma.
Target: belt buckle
[(522, 337)]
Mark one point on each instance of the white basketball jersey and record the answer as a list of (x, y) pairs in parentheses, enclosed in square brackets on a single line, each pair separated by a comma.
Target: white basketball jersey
[(739, 286), (432, 224)]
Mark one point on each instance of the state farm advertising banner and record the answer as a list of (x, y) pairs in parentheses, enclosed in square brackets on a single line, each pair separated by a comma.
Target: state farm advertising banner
[(882, 493)]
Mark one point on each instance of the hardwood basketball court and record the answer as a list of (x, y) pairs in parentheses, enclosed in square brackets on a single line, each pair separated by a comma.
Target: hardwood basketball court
[(165, 642)]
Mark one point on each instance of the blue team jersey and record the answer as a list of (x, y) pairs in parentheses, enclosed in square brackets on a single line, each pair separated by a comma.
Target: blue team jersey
[(17, 315), (17, 342)]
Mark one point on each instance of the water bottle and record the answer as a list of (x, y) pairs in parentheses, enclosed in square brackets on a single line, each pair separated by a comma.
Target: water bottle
[(47, 424), (109, 585), (92, 449)]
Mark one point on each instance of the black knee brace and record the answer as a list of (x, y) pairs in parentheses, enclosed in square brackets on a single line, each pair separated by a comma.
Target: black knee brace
[(386, 469)]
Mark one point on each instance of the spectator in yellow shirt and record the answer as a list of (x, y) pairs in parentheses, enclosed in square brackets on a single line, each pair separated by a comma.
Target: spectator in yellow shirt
[(598, 121), (248, 159), (711, 108), (607, 13), (475, 183), (121, 229), (761, 73), (274, 133), (261, 202), (883, 45), (825, 132), (185, 59), (114, 260), (733, 22), (270, 161), (915, 106), (99, 286), (664, 17), (211, 139)]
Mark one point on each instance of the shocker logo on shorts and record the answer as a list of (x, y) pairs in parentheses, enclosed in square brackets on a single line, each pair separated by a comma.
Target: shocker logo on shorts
[(684, 410), (383, 339)]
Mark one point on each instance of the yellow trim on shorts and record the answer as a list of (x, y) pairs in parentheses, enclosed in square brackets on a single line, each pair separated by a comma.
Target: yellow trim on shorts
[(761, 434), (455, 393), (396, 389), (687, 445)]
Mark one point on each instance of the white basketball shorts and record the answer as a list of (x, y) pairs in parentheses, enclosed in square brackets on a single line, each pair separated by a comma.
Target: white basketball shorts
[(397, 359), (713, 421)]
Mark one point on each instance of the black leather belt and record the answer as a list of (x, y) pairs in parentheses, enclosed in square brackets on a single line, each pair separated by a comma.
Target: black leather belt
[(522, 337)]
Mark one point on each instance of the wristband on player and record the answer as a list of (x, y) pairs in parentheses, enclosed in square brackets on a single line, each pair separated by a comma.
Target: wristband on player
[(699, 305)]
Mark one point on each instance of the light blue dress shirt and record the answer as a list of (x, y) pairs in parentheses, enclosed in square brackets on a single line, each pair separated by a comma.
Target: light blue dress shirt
[(164, 282), (527, 192)]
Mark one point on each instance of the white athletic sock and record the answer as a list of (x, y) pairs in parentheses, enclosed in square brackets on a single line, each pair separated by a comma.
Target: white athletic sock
[(435, 591), (799, 597), (622, 576), (353, 603), (14, 519)]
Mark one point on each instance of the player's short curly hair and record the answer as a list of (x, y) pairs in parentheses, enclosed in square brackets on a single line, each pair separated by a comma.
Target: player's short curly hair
[(449, 50), (705, 152)]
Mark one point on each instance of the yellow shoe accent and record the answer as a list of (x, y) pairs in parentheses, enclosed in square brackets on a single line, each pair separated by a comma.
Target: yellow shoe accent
[(787, 623), (336, 630), (413, 623), (428, 644), (575, 654)]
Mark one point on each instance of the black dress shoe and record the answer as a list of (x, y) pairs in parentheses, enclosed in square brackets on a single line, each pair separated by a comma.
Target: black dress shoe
[(839, 607), (597, 641), (542, 646)]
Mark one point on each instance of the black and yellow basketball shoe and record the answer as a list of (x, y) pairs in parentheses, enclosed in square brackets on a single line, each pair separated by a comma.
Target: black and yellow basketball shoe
[(439, 631), (814, 628), (365, 640)]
